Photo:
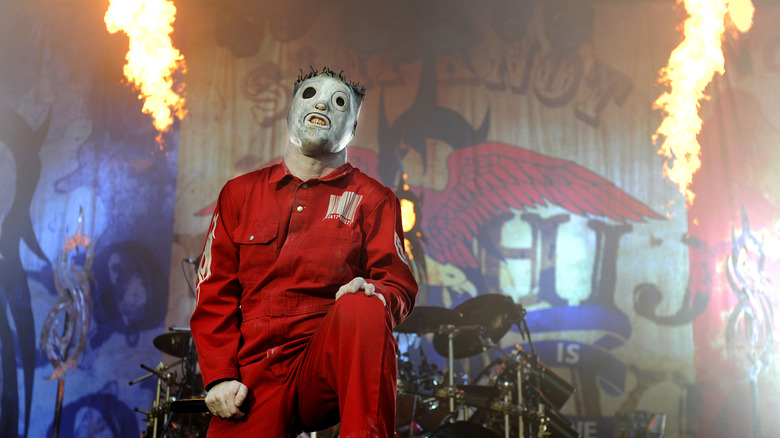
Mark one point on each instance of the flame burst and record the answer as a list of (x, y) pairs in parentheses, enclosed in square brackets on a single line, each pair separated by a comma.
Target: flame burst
[(152, 59), (691, 67)]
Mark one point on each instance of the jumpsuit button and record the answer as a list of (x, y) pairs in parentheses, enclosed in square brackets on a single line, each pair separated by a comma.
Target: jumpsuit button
[(251, 238), (300, 208), (304, 186)]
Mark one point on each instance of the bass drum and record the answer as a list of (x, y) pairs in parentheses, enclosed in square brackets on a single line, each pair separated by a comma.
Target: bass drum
[(463, 429)]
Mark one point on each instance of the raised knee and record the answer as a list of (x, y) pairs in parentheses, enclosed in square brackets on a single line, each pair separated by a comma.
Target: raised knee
[(362, 310)]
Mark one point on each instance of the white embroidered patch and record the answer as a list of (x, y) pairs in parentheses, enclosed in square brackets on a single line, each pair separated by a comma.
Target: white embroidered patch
[(399, 249), (343, 207), (204, 269)]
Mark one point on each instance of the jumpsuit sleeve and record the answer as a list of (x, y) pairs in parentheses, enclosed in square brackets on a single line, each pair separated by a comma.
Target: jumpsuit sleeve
[(387, 262), (216, 318)]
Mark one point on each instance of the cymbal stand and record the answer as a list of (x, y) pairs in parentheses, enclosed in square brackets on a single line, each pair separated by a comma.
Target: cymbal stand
[(522, 326), (163, 375), (542, 422), (190, 359), (488, 343), (520, 403), (452, 391), (451, 365), (507, 402)]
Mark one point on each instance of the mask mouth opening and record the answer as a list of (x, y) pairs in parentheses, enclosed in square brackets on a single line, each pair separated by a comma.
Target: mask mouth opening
[(317, 121)]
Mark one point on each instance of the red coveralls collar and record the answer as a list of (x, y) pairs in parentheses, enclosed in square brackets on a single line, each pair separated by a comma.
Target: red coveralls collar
[(280, 172)]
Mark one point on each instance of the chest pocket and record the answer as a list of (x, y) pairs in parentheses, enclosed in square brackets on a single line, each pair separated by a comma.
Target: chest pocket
[(332, 255), (257, 242)]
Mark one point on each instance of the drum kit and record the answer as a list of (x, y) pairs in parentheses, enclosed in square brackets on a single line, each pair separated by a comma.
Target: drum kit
[(516, 396), (178, 383)]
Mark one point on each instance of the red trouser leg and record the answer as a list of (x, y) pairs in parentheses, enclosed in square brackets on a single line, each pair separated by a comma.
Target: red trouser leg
[(270, 408), (350, 365)]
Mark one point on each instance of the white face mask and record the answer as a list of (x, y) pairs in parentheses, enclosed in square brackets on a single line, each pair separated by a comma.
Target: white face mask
[(322, 116)]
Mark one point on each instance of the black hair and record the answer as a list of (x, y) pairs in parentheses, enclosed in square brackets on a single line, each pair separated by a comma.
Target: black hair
[(357, 89)]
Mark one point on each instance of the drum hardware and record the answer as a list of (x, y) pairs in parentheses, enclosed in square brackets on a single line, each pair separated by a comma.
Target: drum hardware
[(523, 392), (428, 319), (489, 343), (559, 427), (549, 421), (171, 387), (470, 395), (462, 429), (407, 410), (451, 364), (493, 313), (507, 420), (422, 402), (520, 402), (553, 422), (476, 331), (527, 394), (531, 381), (540, 385), (554, 388), (177, 344), (161, 367), (159, 405), (190, 406)]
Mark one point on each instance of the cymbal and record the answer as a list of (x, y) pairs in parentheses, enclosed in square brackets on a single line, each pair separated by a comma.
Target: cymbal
[(427, 319), (494, 314), (174, 343)]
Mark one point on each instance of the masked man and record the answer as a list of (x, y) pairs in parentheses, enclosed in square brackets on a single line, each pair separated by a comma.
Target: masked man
[(302, 279)]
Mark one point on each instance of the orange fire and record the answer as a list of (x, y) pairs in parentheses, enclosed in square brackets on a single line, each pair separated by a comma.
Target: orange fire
[(691, 67), (408, 216), (152, 59)]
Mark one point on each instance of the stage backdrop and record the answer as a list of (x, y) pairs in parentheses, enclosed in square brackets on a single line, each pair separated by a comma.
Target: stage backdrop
[(521, 131)]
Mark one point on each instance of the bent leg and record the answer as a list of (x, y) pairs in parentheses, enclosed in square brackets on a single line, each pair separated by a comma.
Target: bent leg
[(350, 368), (269, 407)]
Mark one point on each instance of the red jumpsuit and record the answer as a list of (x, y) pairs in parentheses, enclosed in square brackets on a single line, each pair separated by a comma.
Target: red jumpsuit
[(277, 250)]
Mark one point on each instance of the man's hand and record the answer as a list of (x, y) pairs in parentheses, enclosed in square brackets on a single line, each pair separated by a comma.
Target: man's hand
[(224, 399), (358, 284)]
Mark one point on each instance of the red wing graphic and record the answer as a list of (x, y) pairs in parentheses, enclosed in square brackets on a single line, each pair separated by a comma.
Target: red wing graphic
[(490, 178)]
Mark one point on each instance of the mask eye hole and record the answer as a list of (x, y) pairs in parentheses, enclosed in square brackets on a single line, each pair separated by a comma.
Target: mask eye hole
[(309, 92), (340, 100)]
